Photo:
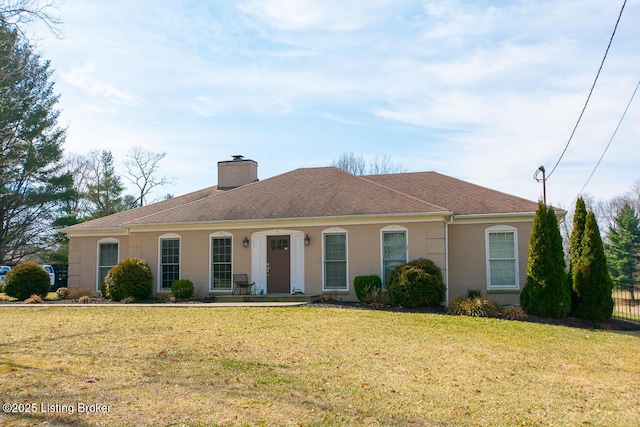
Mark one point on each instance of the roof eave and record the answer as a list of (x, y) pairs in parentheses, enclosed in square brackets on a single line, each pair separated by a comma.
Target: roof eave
[(504, 216), (95, 232), (294, 221)]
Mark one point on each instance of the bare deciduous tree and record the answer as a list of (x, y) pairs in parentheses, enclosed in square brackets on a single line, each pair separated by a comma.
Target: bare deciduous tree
[(142, 171), (357, 165), (384, 166), (18, 13)]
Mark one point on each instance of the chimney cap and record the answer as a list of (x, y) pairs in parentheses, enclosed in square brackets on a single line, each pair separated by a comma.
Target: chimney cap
[(237, 157)]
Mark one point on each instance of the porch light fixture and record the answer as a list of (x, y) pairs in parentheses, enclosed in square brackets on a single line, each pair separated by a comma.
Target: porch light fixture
[(245, 242), (307, 240)]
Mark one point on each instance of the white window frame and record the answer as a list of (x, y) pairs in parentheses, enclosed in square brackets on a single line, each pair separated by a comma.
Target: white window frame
[(168, 236), (99, 243), (218, 235), (502, 229), (335, 231), (392, 229)]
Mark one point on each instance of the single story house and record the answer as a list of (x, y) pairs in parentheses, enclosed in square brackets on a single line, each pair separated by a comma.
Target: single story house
[(312, 231)]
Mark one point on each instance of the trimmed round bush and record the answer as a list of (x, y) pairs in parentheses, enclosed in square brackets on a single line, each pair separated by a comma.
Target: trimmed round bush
[(368, 288), (182, 288), (25, 280), (417, 283), (130, 278)]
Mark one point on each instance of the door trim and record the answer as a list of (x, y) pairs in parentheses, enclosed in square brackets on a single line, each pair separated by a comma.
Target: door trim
[(259, 259)]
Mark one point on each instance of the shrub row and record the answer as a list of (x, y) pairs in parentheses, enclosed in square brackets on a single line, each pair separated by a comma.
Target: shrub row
[(420, 283), (417, 283), (131, 279)]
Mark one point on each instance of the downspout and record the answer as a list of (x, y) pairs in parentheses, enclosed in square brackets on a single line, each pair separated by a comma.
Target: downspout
[(446, 253)]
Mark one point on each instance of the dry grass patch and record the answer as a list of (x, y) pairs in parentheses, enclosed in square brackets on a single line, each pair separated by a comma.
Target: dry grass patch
[(312, 367)]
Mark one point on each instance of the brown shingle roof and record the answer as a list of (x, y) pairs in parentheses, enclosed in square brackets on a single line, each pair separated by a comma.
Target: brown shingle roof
[(321, 192), (116, 220), (302, 193), (459, 196)]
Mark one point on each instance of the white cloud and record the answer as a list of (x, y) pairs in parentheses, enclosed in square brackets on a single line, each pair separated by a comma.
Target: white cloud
[(327, 15), (86, 79), (484, 91)]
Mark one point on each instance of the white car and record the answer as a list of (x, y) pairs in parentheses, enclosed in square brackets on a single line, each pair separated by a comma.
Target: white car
[(3, 270), (52, 274)]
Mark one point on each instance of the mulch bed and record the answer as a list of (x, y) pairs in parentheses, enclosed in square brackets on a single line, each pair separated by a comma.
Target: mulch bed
[(572, 322)]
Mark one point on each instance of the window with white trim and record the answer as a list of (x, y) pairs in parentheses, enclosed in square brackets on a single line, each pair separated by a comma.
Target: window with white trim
[(169, 261), (107, 258), (335, 261), (394, 249), (221, 263), (502, 257)]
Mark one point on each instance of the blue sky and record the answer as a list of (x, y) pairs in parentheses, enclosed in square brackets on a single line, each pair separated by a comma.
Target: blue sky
[(485, 91)]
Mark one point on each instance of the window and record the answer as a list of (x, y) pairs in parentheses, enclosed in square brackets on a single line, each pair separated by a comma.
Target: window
[(220, 263), (280, 244), (335, 261), (169, 261), (502, 258), (107, 259), (394, 249)]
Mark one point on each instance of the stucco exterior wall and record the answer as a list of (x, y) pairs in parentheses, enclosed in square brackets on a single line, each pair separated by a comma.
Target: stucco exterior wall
[(467, 254), (425, 239), (468, 260), (83, 255)]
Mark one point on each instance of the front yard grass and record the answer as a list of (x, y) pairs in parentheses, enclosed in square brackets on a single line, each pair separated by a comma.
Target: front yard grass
[(310, 366)]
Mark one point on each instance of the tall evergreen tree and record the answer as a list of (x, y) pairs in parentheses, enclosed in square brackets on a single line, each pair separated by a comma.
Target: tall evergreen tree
[(545, 292), (579, 219), (105, 188), (624, 249), (32, 181), (575, 245), (591, 279)]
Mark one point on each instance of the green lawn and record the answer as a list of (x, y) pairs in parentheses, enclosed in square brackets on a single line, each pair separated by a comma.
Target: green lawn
[(310, 366)]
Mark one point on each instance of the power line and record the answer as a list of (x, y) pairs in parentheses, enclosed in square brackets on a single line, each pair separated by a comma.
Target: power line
[(590, 92), (611, 139)]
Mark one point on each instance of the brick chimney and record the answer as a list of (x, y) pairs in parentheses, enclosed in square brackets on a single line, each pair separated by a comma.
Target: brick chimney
[(237, 172)]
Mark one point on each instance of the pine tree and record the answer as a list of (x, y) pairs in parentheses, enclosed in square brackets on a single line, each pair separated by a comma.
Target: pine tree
[(592, 282), (32, 181), (545, 292), (624, 248), (105, 188)]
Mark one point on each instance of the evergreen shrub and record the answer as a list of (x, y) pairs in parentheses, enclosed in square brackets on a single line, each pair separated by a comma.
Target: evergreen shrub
[(182, 288), (25, 280), (545, 292), (368, 288), (130, 278), (417, 283), (591, 280)]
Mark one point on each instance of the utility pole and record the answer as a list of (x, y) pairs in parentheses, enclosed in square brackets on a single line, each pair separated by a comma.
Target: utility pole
[(544, 183)]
